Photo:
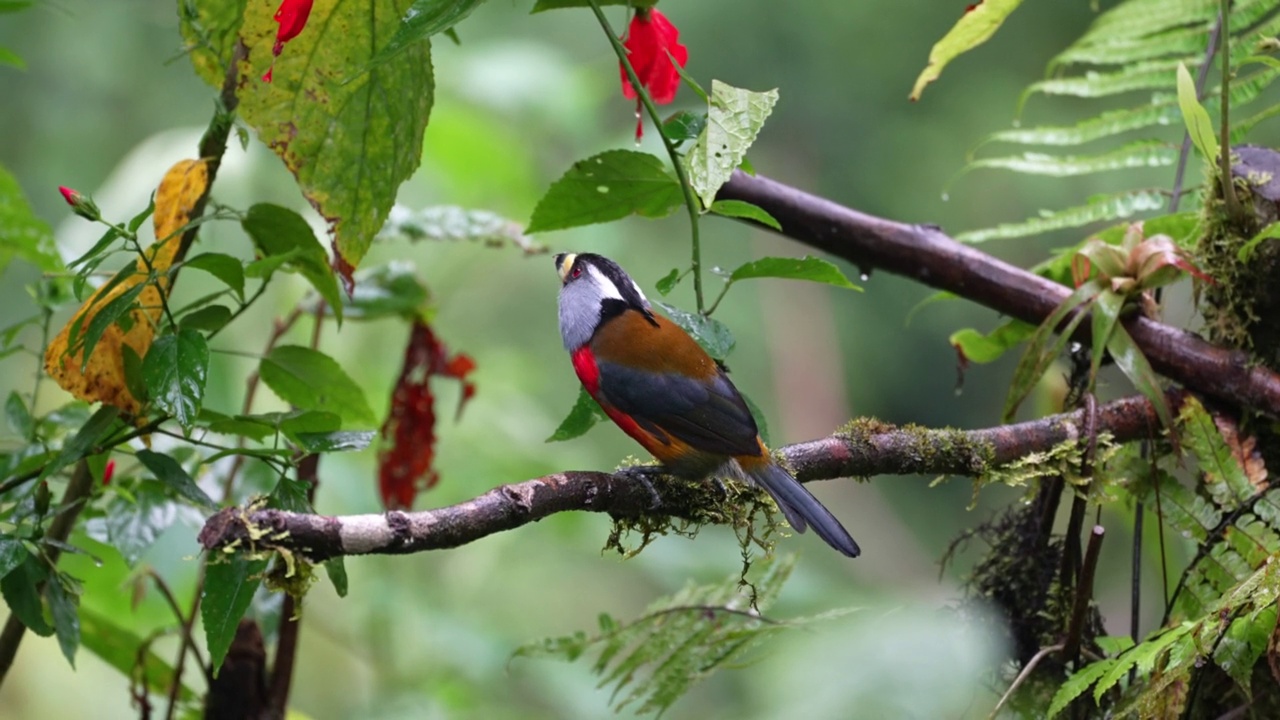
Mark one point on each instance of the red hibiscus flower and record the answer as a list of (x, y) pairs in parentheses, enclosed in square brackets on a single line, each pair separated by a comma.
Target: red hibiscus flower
[(650, 38), (292, 16)]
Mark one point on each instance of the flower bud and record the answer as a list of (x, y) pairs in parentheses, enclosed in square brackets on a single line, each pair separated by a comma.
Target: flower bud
[(81, 204)]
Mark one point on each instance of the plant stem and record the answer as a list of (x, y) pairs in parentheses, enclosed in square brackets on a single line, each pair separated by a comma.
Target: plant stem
[(691, 202), (1234, 210)]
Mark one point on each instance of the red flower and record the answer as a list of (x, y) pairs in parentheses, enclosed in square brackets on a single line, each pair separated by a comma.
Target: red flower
[(649, 38), (108, 471), (292, 16), (405, 466)]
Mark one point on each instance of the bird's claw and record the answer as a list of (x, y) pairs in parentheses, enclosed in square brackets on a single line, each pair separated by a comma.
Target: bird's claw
[(645, 474)]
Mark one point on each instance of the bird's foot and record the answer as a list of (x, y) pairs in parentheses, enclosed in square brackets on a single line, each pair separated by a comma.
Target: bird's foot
[(645, 475)]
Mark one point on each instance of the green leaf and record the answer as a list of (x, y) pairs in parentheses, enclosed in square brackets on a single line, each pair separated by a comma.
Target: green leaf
[(278, 231), (710, 333), (249, 426), (228, 590), (1107, 124), (66, 620), (300, 422), (120, 648), (1152, 75), (209, 319), (1224, 479), (21, 594), (290, 494), (1106, 314), (134, 523), (1242, 645), (22, 234), (175, 371), (734, 118), (1144, 154), (170, 472), (1076, 685), (15, 411), (1270, 231), (605, 187), (1045, 344), (668, 282), (585, 413), (762, 422), (85, 438), (341, 441), (987, 348), (1103, 208), (311, 380), (1143, 656), (392, 290), (349, 144), (684, 125), (106, 316), (12, 554), (228, 269), (450, 223), (746, 211), (423, 19), (1196, 118), (806, 268), (978, 23), (210, 30), (336, 569), (1134, 365)]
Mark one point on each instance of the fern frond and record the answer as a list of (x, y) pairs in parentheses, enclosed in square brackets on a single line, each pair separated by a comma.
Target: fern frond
[(653, 660), (1099, 209), (1149, 153)]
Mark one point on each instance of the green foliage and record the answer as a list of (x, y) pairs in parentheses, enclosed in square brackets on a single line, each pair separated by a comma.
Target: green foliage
[(228, 589), (1139, 45), (449, 223), (22, 234), (279, 232), (652, 661), (423, 19), (604, 187), (585, 413), (980, 348), (978, 23), (713, 335), (169, 472), (744, 211), (311, 380), (806, 268), (175, 371), (734, 118), (349, 144)]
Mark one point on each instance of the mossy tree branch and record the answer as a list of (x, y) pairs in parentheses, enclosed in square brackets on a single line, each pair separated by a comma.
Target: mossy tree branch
[(862, 448)]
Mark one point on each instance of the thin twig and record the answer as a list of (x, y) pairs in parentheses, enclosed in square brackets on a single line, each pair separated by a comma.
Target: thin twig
[(1026, 672)]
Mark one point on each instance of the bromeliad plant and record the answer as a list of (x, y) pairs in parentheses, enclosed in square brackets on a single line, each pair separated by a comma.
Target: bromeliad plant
[(1111, 280)]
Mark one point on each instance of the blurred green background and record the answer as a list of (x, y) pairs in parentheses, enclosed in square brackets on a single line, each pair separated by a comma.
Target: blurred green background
[(108, 101)]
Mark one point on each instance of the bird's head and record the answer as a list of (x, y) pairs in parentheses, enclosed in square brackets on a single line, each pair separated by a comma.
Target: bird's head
[(593, 289)]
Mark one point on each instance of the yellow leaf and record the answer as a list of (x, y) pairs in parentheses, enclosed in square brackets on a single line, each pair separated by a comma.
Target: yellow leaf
[(979, 22), (102, 378)]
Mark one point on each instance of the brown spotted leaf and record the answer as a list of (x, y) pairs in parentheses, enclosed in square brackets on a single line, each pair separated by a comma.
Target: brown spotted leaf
[(349, 136)]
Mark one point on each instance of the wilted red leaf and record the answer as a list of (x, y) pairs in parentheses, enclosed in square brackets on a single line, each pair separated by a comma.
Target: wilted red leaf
[(404, 466), (1243, 449)]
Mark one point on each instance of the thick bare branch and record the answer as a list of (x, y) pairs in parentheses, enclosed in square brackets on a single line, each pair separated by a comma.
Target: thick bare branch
[(864, 448), (925, 253)]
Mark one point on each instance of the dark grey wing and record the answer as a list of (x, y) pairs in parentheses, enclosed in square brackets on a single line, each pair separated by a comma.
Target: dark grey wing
[(707, 415)]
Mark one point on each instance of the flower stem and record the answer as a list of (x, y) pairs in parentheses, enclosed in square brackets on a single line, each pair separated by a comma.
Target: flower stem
[(690, 199), (1234, 211)]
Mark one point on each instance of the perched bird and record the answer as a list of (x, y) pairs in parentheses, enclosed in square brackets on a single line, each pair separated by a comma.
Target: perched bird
[(663, 390)]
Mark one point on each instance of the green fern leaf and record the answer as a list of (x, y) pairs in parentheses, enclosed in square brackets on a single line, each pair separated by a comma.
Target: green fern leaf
[(1143, 656), (1136, 155), (1243, 644), (1100, 209), (1077, 684), (1137, 18)]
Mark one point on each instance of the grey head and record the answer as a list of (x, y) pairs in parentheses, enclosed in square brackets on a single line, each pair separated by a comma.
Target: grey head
[(593, 289)]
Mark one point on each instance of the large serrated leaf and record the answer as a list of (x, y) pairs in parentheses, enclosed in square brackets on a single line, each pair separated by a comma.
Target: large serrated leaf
[(210, 29), (978, 23), (604, 187), (734, 118), (228, 589), (1102, 209), (311, 380), (134, 523), (349, 141)]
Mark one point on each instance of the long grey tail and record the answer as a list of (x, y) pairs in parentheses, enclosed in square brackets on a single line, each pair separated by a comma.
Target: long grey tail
[(802, 509)]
